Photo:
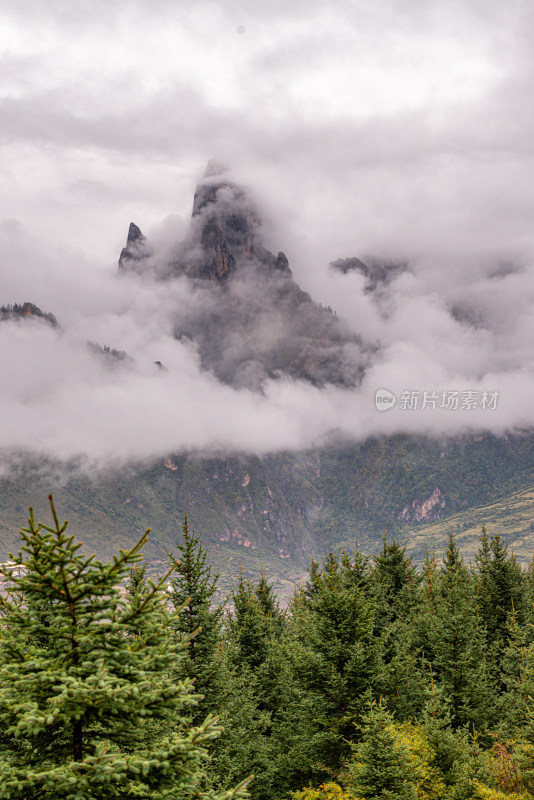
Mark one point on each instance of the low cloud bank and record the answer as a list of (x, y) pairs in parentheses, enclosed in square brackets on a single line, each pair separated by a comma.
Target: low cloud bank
[(438, 327)]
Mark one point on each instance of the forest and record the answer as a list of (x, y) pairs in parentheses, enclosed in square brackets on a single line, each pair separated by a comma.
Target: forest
[(381, 678)]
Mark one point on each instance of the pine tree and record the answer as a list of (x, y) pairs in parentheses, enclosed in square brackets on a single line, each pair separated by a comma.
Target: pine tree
[(335, 655), (396, 591), (267, 599), (192, 588), (88, 708), (452, 639), (393, 571), (245, 744), (499, 589), (455, 754), (252, 687), (382, 770), (255, 620)]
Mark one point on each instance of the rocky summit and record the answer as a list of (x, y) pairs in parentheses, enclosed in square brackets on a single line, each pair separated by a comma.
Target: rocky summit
[(252, 322)]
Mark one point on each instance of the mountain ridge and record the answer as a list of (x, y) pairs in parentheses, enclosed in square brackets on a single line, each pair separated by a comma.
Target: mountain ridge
[(252, 323)]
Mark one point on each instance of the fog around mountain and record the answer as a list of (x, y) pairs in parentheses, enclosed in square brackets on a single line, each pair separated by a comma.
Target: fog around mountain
[(391, 135), (245, 360)]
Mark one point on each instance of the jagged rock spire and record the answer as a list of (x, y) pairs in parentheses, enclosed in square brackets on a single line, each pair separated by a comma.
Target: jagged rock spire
[(225, 234), (228, 222), (134, 234), (135, 250), (282, 263), (220, 262)]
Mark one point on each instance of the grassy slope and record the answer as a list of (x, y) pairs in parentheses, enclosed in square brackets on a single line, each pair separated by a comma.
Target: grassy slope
[(115, 512), (512, 517)]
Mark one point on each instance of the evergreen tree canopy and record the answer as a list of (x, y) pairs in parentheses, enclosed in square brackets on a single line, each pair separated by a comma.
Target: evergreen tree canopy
[(191, 588), (393, 569), (335, 653), (499, 589), (382, 770), (255, 621), (452, 638), (88, 708)]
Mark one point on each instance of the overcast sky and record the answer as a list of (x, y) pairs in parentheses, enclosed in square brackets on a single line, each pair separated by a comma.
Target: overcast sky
[(399, 128)]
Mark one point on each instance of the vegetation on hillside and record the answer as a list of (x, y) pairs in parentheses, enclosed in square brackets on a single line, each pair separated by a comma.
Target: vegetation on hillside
[(381, 679)]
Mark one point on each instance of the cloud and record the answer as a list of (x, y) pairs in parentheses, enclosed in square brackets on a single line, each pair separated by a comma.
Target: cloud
[(402, 125), (63, 399), (399, 129)]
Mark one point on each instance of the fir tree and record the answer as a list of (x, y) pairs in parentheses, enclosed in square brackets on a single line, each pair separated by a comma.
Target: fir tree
[(382, 770), (245, 745), (455, 753), (88, 708), (499, 588), (192, 588), (252, 687), (253, 622), (452, 639), (395, 587), (267, 599), (335, 655), (393, 571)]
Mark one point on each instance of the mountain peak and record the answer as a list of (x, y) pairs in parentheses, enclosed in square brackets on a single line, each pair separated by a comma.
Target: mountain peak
[(136, 249), (226, 221), (134, 234)]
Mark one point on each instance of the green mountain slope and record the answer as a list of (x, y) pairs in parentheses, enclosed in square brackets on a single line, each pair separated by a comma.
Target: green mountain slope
[(278, 511), (512, 518), (251, 322)]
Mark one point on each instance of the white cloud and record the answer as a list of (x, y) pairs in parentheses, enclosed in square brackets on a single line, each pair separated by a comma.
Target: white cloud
[(404, 129)]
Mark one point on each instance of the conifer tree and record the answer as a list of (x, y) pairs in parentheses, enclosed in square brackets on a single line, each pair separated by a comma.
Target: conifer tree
[(255, 619), (393, 570), (396, 591), (452, 639), (335, 655), (245, 744), (252, 687), (382, 770), (88, 708), (455, 754), (499, 588), (268, 601), (516, 675), (192, 588), (528, 599)]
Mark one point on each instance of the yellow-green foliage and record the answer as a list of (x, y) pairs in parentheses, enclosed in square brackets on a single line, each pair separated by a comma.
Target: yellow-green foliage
[(428, 780), (326, 791), (430, 785), (506, 761), (485, 793)]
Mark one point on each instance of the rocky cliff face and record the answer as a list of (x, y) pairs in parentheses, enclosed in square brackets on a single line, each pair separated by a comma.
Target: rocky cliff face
[(278, 510), (427, 510), (136, 252), (252, 321), (223, 206), (218, 262)]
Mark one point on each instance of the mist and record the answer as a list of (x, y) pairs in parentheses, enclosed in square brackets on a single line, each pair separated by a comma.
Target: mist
[(407, 137), (63, 399)]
